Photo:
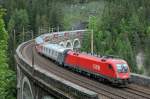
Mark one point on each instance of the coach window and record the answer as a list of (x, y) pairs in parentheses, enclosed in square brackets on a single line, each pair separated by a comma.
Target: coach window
[(55, 53), (49, 51), (52, 52)]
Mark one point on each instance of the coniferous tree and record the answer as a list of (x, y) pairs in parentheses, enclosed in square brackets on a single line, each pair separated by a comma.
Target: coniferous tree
[(7, 89)]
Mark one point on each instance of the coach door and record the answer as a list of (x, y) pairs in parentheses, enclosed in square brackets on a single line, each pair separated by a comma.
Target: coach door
[(60, 58)]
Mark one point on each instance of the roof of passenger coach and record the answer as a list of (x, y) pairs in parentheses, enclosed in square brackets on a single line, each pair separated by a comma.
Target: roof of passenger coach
[(55, 47), (39, 40), (60, 33)]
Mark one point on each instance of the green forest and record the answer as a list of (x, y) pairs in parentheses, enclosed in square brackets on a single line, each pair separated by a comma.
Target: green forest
[(120, 27)]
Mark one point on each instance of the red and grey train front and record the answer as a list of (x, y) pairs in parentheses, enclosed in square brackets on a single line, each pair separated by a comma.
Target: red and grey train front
[(122, 73)]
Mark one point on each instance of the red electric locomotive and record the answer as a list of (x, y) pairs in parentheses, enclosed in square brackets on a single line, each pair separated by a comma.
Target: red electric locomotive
[(112, 69)]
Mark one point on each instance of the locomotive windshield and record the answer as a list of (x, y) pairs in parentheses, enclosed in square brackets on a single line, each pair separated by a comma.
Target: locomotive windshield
[(122, 68)]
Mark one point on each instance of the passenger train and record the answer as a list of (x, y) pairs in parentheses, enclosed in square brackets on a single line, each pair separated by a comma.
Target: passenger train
[(114, 70)]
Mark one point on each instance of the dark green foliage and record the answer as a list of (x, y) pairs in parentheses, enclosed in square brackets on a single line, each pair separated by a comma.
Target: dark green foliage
[(7, 76), (123, 30), (147, 50), (36, 14)]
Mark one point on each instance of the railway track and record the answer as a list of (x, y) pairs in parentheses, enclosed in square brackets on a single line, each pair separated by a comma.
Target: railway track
[(104, 91), (138, 90)]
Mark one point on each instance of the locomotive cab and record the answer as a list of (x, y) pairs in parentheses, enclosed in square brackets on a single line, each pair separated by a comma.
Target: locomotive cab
[(122, 73)]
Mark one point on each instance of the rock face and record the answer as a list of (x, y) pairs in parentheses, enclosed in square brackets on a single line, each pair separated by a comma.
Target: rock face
[(140, 60)]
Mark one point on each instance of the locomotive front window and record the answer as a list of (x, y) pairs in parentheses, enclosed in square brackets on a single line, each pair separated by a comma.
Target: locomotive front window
[(122, 68)]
